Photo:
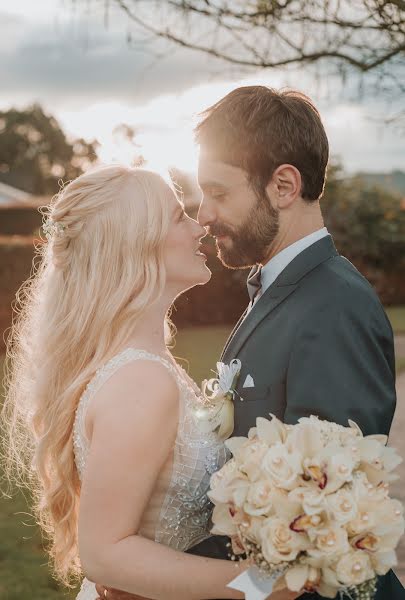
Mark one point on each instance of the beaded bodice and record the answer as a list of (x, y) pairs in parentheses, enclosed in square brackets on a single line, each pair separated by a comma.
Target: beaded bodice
[(185, 510)]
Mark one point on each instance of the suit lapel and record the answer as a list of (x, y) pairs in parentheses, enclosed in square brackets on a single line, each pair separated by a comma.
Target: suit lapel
[(286, 283), (267, 303), (234, 330)]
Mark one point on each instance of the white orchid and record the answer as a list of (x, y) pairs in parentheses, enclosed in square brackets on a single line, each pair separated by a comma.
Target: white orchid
[(223, 385), (282, 467)]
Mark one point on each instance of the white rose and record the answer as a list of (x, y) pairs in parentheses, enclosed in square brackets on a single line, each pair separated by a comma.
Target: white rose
[(279, 542), (354, 568), (281, 466), (249, 458), (311, 499), (342, 506), (223, 521), (330, 542), (226, 473), (283, 506), (232, 492), (259, 498)]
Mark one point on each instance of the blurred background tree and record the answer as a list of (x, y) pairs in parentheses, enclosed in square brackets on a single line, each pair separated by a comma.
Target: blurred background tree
[(367, 221), (35, 153)]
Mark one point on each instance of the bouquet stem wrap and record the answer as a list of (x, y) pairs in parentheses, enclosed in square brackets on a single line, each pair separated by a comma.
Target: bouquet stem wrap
[(253, 584)]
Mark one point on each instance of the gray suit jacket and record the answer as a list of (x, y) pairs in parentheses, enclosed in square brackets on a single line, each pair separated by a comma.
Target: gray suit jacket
[(316, 342)]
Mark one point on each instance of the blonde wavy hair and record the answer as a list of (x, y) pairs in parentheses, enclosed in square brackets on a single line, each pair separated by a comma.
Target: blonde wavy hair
[(77, 309)]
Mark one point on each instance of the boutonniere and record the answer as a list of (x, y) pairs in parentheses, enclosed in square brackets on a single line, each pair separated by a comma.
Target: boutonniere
[(215, 410)]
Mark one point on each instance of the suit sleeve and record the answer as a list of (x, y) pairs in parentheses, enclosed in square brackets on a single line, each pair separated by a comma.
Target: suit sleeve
[(342, 366)]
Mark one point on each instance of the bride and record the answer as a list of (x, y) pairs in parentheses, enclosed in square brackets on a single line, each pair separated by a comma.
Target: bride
[(98, 414), (99, 418)]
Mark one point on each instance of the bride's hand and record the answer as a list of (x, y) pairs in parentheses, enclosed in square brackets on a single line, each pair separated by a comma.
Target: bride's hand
[(112, 594)]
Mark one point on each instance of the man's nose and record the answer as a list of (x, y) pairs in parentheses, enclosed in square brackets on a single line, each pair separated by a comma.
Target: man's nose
[(206, 214)]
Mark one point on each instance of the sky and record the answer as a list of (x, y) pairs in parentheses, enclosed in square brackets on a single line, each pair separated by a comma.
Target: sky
[(91, 80)]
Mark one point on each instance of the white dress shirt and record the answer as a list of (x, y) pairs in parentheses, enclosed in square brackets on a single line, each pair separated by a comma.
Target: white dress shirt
[(272, 269)]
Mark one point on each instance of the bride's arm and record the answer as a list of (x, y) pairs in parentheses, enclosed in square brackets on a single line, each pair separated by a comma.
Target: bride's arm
[(133, 422)]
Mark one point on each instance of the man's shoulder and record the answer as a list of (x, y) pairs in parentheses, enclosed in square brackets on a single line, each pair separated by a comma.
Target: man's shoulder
[(337, 283), (338, 277)]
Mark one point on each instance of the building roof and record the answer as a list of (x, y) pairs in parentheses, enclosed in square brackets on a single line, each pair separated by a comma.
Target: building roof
[(11, 197)]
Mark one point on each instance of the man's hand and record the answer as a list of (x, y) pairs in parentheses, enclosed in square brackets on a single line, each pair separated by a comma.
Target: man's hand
[(112, 594)]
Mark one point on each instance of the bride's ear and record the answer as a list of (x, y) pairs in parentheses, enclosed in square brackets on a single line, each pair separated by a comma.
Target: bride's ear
[(285, 186)]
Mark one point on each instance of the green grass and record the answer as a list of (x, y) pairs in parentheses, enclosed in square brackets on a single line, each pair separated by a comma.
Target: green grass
[(24, 570), (200, 348), (396, 315)]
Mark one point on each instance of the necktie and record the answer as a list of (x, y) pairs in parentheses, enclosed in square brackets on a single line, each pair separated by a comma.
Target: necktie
[(253, 283)]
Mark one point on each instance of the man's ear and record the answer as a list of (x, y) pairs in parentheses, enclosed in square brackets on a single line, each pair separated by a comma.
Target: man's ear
[(285, 186)]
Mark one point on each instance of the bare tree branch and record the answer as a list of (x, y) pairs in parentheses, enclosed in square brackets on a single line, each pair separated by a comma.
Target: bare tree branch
[(365, 35)]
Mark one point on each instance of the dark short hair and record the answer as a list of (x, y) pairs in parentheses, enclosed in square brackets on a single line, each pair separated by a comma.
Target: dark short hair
[(258, 129)]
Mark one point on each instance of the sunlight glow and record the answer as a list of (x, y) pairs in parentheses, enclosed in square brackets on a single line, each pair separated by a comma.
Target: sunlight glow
[(164, 125)]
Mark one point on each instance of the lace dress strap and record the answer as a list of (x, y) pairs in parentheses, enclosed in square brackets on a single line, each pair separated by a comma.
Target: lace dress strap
[(102, 375)]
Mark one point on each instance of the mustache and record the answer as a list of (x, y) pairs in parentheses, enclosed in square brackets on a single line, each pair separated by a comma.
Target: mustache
[(220, 229)]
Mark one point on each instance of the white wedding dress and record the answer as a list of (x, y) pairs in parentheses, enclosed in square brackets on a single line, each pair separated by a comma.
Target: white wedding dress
[(179, 511)]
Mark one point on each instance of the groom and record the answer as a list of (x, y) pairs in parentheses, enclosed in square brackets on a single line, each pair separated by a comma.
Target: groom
[(314, 338)]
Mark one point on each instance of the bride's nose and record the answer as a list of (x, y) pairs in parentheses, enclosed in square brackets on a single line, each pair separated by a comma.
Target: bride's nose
[(200, 231)]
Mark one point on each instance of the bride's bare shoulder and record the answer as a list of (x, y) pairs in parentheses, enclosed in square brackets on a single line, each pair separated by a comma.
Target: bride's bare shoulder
[(139, 390)]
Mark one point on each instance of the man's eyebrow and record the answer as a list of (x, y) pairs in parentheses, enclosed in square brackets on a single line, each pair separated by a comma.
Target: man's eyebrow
[(212, 184)]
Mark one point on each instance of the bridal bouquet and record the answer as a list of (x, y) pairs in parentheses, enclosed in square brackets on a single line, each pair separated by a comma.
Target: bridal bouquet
[(308, 504)]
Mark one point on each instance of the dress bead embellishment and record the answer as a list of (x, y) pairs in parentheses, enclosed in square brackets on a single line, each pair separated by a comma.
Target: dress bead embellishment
[(186, 510)]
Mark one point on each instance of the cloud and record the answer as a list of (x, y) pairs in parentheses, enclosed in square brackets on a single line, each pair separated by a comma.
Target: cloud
[(71, 65), (361, 143), (90, 78), (12, 31)]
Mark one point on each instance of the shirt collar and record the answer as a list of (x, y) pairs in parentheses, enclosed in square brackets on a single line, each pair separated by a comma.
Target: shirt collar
[(272, 269)]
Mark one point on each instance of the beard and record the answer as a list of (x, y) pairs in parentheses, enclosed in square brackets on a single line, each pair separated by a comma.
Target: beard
[(248, 244)]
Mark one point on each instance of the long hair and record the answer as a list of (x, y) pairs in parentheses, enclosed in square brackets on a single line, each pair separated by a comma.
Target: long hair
[(97, 274)]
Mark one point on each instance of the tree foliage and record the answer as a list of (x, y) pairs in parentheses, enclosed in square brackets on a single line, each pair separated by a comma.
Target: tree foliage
[(367, 222), (35, 153)]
